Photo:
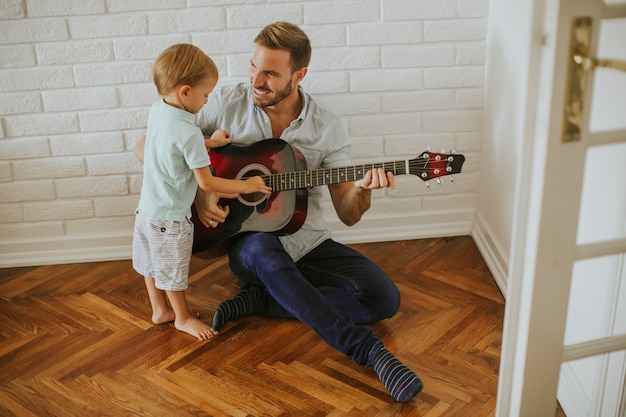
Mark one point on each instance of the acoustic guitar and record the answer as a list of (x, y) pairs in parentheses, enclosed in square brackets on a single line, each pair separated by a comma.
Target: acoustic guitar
[(283, 168)]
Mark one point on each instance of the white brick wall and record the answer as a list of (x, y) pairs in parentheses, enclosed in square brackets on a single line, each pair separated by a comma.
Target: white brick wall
[(75, 89)]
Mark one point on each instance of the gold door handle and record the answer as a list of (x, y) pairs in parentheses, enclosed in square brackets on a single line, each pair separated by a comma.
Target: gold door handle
[(579, 65), (589, 63)]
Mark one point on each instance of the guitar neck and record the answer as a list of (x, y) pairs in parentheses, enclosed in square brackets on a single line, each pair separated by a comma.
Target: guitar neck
[(326, 176)]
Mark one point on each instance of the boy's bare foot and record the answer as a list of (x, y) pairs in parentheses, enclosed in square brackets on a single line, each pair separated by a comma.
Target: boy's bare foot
[(168, 316), (163, 317), (195, 327)]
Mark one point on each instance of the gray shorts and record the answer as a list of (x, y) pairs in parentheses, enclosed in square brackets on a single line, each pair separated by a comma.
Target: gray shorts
[(162, 250)]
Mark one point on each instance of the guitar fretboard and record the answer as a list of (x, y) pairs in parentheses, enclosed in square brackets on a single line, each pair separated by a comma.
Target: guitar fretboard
[(327, 176)]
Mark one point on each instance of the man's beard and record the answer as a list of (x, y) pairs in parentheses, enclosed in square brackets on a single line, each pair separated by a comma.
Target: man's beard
[(279, 96)]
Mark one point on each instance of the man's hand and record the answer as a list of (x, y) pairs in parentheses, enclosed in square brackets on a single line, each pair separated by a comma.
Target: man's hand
[(375, 179), (210, 213)]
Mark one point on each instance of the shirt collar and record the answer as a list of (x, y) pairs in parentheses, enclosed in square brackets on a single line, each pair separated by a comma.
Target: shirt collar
[(305, 103)]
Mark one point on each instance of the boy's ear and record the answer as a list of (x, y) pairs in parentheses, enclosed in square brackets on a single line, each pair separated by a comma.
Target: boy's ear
[(183, 91)]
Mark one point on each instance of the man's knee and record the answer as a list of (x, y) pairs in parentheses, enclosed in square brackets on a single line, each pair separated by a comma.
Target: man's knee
[(257, 254), (389, 302)]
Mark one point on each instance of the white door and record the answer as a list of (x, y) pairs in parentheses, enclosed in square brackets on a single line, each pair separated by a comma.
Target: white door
[(565, 324)]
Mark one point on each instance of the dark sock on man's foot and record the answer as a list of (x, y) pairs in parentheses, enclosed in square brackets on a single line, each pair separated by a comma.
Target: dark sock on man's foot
[(245, 303), (402, 383)]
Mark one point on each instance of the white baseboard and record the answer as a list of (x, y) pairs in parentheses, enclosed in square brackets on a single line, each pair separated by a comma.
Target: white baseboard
[(65, 250), (492, 252), (18, 253), (415, 226)]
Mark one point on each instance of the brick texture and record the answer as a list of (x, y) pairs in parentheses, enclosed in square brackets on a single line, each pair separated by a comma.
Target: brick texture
[(75, 90)]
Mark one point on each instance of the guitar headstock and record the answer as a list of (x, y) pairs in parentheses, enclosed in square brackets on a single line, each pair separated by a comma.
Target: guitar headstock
[(431, 165)]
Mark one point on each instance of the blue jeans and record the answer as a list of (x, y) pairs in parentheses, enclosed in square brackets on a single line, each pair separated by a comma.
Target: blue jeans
[(330, 289)]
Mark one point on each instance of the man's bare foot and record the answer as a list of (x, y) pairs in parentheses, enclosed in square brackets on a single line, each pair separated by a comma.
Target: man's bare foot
[(195, 327)]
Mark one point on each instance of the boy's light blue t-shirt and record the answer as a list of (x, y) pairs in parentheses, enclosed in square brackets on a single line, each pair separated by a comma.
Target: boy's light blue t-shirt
[(174, 147)]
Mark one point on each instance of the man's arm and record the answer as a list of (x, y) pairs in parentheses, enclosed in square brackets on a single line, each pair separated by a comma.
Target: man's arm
[(353, 199)]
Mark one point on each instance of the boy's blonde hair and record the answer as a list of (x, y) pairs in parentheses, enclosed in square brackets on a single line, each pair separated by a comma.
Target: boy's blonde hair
[(182, 64)]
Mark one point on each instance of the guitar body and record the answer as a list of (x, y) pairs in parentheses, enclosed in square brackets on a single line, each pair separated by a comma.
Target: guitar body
[(281, 213)]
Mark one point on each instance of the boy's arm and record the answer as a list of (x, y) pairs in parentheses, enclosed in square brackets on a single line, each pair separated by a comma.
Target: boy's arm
[(218, 139), (139, 149), (208, 182)]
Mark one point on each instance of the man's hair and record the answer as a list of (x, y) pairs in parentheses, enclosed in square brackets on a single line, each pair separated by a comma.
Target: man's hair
[(287, 36), (181, 64)]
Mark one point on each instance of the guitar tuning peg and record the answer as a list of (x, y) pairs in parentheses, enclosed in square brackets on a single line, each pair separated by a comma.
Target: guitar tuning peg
[(427, 184), (442, 150), (439, 181), (428, 149), (451, 178), (453, 151)]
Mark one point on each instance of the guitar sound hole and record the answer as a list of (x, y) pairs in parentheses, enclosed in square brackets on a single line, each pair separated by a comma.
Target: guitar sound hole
[(252, 199), (252, 170)]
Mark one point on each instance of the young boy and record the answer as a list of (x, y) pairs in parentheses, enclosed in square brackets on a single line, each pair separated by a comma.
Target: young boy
[(176, 162)]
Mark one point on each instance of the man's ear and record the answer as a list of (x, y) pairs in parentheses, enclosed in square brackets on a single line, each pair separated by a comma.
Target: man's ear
[(299, 74)]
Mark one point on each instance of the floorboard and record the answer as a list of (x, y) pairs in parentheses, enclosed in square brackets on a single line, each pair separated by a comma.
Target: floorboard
[(76, 340)]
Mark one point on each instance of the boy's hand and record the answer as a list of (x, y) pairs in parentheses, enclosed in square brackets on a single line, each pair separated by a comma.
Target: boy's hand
[(218, 139), (256, 185)]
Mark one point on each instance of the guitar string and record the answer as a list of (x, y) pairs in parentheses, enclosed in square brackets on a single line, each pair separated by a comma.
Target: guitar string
[(366, 167), (304, 179)]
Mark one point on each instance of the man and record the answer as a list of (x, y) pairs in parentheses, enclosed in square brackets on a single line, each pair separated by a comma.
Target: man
[(327, 286)]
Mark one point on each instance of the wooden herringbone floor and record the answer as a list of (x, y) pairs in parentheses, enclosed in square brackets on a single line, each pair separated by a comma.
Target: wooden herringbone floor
[(76, 340)]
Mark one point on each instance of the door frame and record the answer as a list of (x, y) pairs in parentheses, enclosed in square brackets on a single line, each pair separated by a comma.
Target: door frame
[(539, 277)]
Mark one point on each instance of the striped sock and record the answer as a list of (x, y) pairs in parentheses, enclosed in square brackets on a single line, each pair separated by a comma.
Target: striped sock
[(400, 381), (245, 303)]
